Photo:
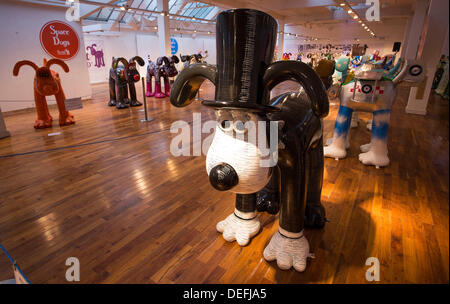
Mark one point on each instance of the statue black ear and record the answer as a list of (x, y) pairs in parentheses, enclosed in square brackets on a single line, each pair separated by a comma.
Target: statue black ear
[(120, 59), (139, 60), (175, 59), (188, 82)]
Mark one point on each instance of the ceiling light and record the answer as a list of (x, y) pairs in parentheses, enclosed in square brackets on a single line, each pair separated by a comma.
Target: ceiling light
[(162, 13), (155, 28), (194, 19), (359, 21), (363, 24), (209, 32), (195, 31), (355, 17), (342, 4), (122, 8), (349, 11)]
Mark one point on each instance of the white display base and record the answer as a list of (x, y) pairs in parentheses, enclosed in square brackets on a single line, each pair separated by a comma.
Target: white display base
[(411, 110), (3, 132)]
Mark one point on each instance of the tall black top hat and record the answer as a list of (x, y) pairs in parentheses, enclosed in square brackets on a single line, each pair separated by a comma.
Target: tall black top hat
[(245, 43), (244, 75)]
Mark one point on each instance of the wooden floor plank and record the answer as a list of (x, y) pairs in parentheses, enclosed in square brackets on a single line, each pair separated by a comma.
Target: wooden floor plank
[(108, 191)]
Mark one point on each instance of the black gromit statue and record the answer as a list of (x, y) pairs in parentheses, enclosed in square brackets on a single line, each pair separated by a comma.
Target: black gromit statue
[(287, 177), (191, 59), (121, 77)]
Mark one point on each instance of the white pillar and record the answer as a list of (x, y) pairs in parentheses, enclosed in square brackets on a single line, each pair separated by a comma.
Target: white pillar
[(3, 131), (163, 28), (415, 29), (280, 42), (437, 29), (404, 45)]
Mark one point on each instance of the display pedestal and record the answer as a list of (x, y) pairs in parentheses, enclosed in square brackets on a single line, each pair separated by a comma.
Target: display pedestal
[(3, 131)]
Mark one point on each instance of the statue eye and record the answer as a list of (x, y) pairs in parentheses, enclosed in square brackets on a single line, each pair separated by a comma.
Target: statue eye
[(239, 127), (226, 125)]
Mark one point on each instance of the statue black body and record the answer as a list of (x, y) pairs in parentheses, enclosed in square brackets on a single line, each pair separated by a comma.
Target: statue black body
[(302, 138), (121, 80), (243, 78)]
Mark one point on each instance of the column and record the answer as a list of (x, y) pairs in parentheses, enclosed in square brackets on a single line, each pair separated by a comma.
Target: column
[(3, 131), (280, 42), (415, 29), (405, 40), (163, 28), (437, 29)]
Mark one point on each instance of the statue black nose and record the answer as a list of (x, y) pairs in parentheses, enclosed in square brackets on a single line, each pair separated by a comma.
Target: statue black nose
[(223, 177)]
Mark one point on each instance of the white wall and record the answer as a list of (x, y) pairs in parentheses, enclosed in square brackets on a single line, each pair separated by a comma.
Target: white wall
[(117, 45), (20, 24), (128, 44), (385, 47)]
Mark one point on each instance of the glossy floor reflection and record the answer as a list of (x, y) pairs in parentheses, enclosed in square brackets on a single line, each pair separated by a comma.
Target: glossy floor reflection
[(108, 191)]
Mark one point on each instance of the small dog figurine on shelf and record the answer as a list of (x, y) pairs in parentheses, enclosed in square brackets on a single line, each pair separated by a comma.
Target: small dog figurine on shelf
[(47, 83), (121, 79)]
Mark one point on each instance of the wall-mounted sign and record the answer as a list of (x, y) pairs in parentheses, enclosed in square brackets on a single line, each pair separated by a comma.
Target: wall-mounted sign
[(59, 40), (173, 46)]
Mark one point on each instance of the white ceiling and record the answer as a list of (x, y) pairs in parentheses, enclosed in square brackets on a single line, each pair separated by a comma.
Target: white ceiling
[(325, 19), (322, 19)]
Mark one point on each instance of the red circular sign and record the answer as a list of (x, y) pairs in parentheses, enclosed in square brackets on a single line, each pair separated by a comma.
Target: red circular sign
[(59, 40)]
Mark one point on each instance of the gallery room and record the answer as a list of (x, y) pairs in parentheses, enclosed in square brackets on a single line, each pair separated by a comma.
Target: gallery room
[(224, 142)]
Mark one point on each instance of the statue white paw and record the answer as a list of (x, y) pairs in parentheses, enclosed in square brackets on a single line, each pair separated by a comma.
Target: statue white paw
[(372, 158), (239, 226), (365, 148), (334, 152), (289, 252)]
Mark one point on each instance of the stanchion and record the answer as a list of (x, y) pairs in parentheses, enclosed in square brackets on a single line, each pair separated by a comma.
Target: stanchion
[(146, 119), (197, 98)]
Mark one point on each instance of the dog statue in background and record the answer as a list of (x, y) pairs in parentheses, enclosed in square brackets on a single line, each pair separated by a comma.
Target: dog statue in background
[(372, 90), (46, 83), (165, 68), (122, 76), (325, 70), (191, 59)]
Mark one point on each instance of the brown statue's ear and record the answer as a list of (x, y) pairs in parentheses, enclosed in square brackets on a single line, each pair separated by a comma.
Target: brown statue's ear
[(58, 62), (19, 64)]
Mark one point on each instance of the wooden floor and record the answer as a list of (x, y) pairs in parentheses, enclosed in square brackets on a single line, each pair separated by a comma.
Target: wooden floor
[(108, 191)]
